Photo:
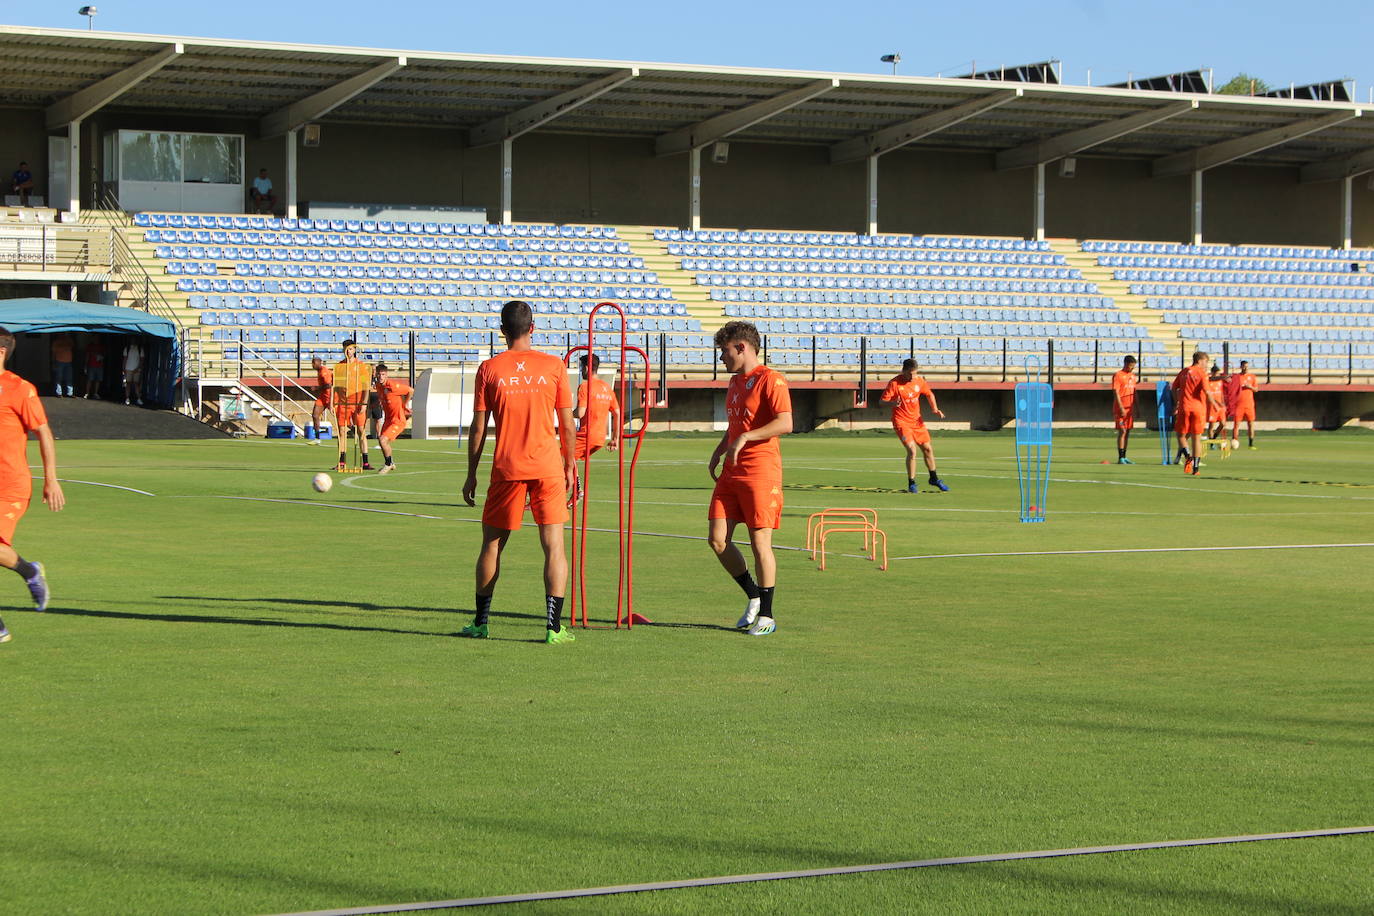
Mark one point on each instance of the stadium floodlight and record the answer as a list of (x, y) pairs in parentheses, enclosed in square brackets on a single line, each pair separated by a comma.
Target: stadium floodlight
[(894, 59), (90, 13)]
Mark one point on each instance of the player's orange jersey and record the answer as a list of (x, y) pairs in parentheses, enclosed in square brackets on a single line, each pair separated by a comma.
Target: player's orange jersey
[(1245, 396), (20, 412), (753, 401), (393, 393), (1123, 383), (324, 377), (906, 398), (1216, 388), (522, 389), (600, 402), (1190, 388)]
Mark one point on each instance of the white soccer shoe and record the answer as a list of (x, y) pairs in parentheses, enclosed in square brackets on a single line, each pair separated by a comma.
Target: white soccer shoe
[(762, 627), (751, 613), (386, 469)]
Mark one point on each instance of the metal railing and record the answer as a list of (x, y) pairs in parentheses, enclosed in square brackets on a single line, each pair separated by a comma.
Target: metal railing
[(55, 248)]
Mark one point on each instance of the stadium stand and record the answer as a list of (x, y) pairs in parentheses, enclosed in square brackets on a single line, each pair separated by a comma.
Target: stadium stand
[(1285, 308), (254, 283), (972, 302)]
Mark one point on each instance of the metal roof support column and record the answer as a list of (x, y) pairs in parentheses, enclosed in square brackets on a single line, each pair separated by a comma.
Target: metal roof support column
[(872, 195), (1195, 234), (1039, 202), (507, 171), (1347, 210), (694, 190), (73, 169), (291, 171)]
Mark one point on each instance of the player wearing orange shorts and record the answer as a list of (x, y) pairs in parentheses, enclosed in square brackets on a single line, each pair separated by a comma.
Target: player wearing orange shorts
[(350, 410), (395, 397), (1216, 410), (21, 413), (904, 391), (594, 404), (748, 491), (1123, 407), (523, 390), (324, 399), (1246, 385), (1192, 400)]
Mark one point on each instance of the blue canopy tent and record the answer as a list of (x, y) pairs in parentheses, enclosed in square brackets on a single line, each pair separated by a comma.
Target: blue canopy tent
[(162, 356)]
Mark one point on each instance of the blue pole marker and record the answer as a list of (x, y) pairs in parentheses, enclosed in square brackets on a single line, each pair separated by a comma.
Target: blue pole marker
[(1034, 445), (1164, 398)]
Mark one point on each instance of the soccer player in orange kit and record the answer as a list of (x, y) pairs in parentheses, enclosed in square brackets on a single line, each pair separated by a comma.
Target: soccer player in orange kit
[(21, 413), (595, 402), (1246, 386), (904, 391), (395, 397), (748, 491), (350, 411), (523, 389), (1216, 411), (1123, 407), (1193, 401), (324, 400)]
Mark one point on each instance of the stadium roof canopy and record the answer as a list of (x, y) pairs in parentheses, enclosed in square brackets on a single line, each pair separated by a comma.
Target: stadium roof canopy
[(72, 73)]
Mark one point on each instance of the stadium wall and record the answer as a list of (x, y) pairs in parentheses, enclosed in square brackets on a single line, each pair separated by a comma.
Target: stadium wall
[(570, 178)]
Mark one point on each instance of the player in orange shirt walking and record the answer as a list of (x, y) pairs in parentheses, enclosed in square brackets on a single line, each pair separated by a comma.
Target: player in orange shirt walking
[(748, 491), (1192, 401), (395, 397), (523, 389), (1123, 407), (1246, 386), (21, 413), (904, 391), (324, 398)]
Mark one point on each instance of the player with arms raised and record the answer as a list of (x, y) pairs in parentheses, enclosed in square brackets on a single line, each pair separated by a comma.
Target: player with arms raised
[(748, 488), (21, 413), (904, 392), (523, 389), (1123, 407)]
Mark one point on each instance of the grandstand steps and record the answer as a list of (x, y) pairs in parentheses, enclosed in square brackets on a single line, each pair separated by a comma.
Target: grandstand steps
[(203, 348), (1120, 291), (670, 274)]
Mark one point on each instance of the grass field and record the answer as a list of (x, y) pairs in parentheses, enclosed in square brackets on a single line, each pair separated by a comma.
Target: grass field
[(241, 705)]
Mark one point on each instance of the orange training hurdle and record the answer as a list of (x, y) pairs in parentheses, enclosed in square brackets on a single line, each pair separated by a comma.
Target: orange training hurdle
[(821, 525)]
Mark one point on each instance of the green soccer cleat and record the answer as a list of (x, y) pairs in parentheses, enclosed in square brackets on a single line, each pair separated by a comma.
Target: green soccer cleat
[(1124, 461), (474, 631), (553, 637)]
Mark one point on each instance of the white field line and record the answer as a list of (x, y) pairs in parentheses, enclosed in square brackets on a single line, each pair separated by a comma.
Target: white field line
[(96, 483), (304, 502), (1063, 553), (826, 872)]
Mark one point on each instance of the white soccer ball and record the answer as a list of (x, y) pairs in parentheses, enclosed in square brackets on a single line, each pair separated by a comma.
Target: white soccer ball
[(322, 482), (1235, 443)]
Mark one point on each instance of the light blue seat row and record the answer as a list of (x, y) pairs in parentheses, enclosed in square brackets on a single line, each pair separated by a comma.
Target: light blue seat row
[(1337, 306), (846, 239), (1179, 262), (794, 252), (1228, 251), (402, 288), (393, 243), (963, 284), (209, 221), (1265, 279), (1238, 292), (894, 268)]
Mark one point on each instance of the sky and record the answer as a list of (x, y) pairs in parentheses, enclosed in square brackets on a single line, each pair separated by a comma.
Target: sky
[(1280, 42)]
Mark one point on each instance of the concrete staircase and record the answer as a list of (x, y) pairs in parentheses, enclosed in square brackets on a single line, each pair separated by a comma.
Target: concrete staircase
[(671, 275), (1120, 291)]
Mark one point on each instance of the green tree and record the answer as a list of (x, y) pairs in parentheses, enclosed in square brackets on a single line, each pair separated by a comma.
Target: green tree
[(1242, 83)]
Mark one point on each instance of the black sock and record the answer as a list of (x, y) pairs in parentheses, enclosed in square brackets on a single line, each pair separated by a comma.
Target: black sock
[(553, 610), (911, 481), (26, 569), (483, 609), (746, 582), (1121, 453), (1252, 439), (388, 460), (934, 477), (766, 601)]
